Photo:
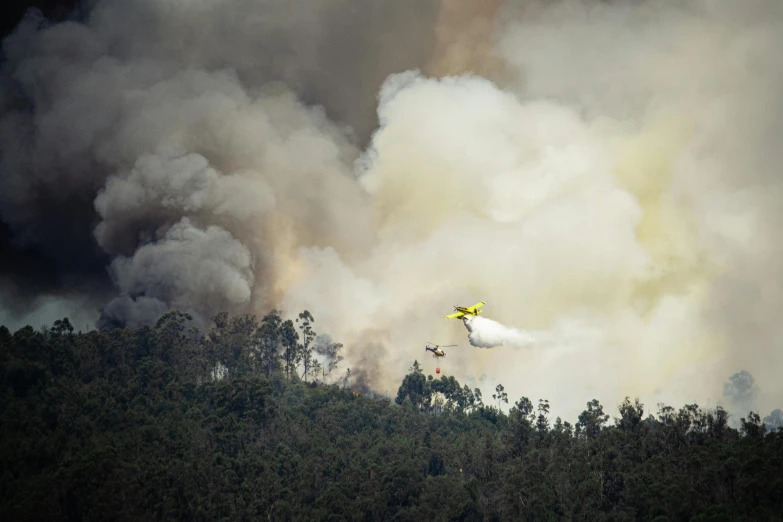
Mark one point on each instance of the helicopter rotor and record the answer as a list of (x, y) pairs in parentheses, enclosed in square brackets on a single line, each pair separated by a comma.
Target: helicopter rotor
[(441, 345)]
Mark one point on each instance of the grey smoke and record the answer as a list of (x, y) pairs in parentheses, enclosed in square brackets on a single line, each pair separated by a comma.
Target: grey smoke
[(187, 268), (159, 189), (741, 391), (114, 130), (774, 421), (82, 312)]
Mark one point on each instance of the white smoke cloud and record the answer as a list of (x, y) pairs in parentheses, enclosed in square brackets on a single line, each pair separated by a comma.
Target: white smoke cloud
[(608, 212)]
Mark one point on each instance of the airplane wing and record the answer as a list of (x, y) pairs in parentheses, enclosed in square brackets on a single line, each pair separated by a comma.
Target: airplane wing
[(477, 305), (454, 315)]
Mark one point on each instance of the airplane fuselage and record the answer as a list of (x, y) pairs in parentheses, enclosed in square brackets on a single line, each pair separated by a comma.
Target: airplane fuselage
[(466, 311)]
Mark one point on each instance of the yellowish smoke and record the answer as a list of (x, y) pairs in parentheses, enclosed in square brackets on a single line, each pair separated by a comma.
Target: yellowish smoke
[(582, 201)]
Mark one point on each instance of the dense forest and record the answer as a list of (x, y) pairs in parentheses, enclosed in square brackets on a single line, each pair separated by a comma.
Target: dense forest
[(237, 423)]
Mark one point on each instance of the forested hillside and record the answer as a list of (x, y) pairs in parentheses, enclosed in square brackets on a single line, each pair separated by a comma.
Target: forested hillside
[(169, 423)]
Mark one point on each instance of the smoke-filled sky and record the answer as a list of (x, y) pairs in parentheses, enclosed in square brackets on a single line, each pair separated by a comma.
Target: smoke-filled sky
[(605, 175)]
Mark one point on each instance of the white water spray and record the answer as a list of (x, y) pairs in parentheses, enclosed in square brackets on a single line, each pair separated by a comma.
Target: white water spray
[(486, 333)]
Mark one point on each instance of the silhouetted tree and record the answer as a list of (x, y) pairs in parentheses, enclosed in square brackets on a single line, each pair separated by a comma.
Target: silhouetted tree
[(305, 348), (500, 395)]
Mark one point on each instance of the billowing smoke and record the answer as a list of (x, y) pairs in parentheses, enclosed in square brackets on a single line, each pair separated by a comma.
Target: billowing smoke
[(486, 333), (155, 128), (606, 175), (609, 201)]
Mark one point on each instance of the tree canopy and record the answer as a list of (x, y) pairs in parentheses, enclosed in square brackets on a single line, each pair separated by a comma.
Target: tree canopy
[(237, 423)]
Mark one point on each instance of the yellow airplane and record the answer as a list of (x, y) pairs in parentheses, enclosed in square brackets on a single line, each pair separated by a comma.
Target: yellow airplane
[(462, 311)]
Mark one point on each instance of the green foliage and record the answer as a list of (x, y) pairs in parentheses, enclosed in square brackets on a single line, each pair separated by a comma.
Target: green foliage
[(291, 353), (305, 348), (167, 423)]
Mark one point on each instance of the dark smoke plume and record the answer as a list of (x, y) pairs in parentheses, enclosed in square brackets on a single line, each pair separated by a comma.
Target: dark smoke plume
[(118, 148)]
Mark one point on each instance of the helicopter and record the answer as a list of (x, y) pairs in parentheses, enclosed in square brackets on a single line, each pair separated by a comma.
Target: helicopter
[(436, 349)]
